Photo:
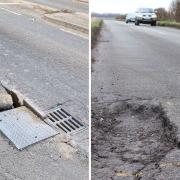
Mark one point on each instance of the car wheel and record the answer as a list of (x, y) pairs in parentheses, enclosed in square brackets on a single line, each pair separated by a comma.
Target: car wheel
[(153, 24), (136, 22)]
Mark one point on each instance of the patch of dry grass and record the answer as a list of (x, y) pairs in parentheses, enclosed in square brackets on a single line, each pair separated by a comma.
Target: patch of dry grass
[(95, 30), (169, 24)]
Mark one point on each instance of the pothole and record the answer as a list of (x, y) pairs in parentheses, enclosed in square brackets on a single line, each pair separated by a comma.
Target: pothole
[(127, 136)]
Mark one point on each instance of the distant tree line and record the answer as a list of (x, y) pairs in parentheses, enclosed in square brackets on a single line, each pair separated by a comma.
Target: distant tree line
[(121, 17), (173, 13), (105, 15)]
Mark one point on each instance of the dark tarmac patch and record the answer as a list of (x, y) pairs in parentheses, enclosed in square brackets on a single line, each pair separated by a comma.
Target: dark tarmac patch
[(128, 137)]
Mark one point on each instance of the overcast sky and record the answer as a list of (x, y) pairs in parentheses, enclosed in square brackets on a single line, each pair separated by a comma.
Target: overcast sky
[(125, 6)]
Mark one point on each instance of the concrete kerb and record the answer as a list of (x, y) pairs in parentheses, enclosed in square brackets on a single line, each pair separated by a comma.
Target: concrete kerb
[(50, 18), (34, 108)]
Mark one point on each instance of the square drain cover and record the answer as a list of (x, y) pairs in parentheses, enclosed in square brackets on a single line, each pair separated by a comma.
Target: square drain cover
[(62, 121), (23, 128)]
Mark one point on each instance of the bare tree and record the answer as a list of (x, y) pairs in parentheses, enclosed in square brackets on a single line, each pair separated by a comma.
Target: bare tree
[(177, 12), (172, 9), (161, 13)]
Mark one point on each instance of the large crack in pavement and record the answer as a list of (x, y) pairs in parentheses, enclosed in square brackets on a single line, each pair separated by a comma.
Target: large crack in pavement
[(128, 138)]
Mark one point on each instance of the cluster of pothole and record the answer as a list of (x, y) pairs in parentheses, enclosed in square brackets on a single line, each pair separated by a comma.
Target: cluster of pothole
[(127, 136)]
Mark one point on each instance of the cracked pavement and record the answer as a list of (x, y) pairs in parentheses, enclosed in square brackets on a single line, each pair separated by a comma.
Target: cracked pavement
[(137, 64)]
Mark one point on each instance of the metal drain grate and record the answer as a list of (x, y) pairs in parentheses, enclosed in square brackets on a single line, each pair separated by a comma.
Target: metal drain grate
[(23, 128), (62, 121)]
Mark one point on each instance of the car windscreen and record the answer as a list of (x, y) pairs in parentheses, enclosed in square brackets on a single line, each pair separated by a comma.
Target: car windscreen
[(145, 10)]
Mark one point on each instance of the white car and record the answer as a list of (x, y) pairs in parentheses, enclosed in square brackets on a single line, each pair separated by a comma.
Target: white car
[(145, 16), (130, 17)]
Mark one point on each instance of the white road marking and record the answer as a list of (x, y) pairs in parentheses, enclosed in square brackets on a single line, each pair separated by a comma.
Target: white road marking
[(73, 33), (8, 3), (18, 14)]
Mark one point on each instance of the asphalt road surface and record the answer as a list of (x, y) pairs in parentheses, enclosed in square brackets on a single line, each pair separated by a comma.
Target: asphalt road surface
[(74, 5), (137, 61), (47, 65), (135, 67), (50, 67)]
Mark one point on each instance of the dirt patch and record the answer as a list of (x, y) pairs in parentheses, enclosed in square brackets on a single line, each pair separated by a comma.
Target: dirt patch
[(127, 137)]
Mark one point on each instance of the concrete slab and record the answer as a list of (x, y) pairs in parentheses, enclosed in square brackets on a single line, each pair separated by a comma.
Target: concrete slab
[(23, 128)]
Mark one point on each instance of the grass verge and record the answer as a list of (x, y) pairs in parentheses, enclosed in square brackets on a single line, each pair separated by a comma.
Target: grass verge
[(169, 24), (95, 30)]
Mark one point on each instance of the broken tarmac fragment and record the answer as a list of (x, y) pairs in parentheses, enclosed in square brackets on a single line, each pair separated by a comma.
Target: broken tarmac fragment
[(6, 101)]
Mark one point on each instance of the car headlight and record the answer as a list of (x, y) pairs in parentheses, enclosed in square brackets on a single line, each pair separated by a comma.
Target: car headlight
[(154, 16), (139, 16)]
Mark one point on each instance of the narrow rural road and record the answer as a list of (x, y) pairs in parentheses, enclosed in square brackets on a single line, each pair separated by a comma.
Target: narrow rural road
[(50, 67), (74, 5), (135, 69), (137, 62)]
